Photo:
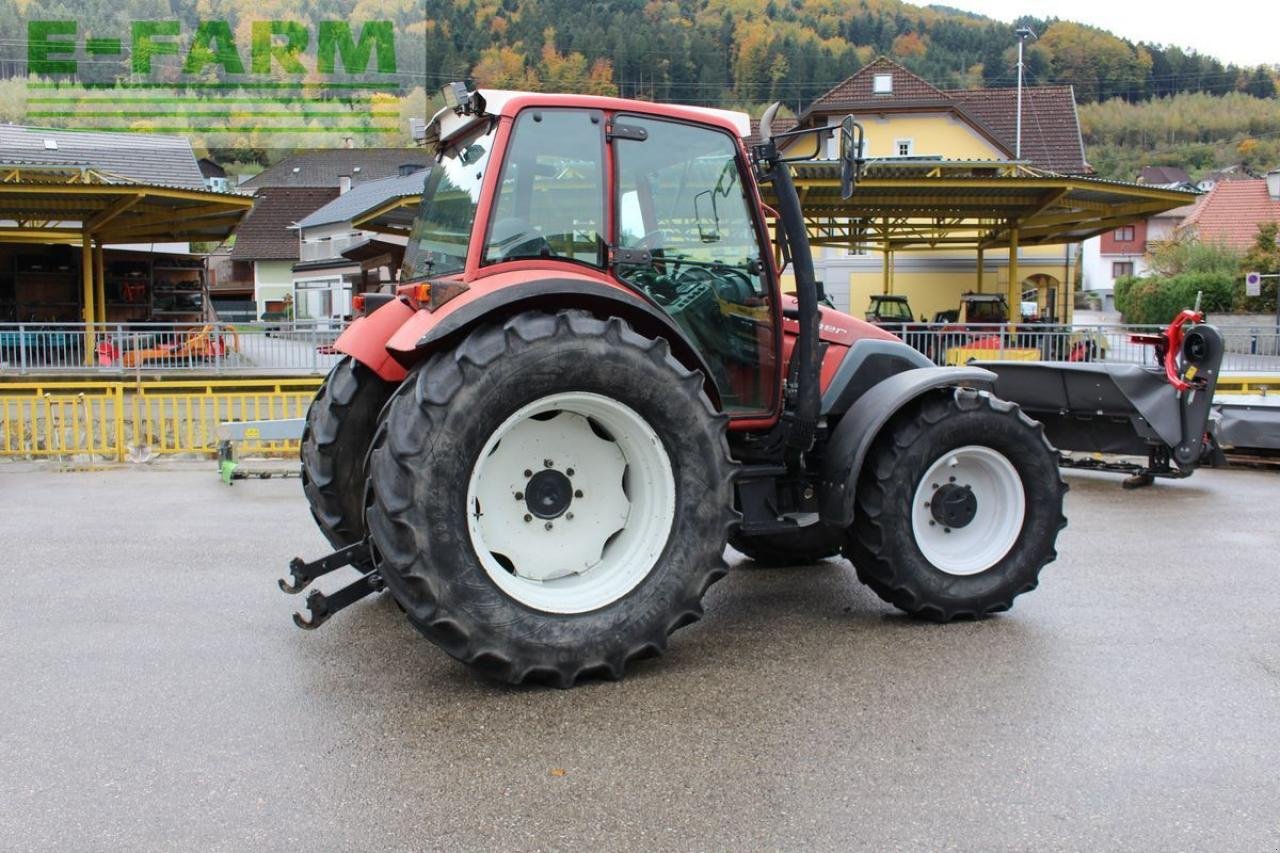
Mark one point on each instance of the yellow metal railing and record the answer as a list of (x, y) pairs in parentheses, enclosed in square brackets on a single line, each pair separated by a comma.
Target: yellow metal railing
[(107, 419)]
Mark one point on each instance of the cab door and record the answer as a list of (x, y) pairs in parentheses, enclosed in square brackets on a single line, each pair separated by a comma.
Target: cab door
[(686, 212)]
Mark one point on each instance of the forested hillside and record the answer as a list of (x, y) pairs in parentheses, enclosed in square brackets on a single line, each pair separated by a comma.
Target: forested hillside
[(1141, 103)]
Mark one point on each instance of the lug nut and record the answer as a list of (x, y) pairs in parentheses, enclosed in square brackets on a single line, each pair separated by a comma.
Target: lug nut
[(578, 493), (548, 463), (568, 516), (547, 525), (568, 472), (527, 518), (953, 479), (519, 496), (946, 530), (529, 473)]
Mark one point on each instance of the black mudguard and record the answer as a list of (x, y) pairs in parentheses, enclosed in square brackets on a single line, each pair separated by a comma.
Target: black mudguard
[(857, 430)]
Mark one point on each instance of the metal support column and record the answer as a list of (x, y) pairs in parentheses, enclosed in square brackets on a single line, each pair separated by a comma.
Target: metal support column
[(99, 283), (90, 311), (886, 286), (981, 262), (1015, 278)]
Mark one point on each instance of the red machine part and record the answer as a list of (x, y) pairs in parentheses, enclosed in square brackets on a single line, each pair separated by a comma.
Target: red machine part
[(1171, 340)]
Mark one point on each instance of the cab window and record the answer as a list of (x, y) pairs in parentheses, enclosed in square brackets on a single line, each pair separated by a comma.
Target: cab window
[(682, 199), (550, 200)]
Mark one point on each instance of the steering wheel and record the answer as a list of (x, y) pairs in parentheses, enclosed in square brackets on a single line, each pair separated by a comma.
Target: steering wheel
[(1175, 360)]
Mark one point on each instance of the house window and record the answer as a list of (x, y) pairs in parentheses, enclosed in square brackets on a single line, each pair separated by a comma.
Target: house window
[(1124, 234), (882, 84), (902, 147), (1119, 269)]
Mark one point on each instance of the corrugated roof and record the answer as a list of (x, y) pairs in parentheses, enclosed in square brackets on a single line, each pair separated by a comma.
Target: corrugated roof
[(267, 234), (323, 167), (1231, 213), (365, 197), (141, 158)]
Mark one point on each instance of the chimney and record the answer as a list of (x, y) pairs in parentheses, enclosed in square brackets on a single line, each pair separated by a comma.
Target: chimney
[(1273, 184), (344, 184)]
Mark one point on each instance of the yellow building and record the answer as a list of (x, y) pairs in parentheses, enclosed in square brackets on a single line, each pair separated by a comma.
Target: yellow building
[(910, 122)]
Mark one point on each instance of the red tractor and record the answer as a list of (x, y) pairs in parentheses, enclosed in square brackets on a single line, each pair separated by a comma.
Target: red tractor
[(589, 381)]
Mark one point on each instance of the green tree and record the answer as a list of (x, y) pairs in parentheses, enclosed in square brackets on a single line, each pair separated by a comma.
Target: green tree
[(1263, 257)]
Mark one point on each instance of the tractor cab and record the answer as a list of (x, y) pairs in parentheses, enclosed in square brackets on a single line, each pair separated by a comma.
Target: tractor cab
[(655, 205), (890, 309)]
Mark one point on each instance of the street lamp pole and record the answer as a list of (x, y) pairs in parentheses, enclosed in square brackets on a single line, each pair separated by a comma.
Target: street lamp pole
[(1023, 33)]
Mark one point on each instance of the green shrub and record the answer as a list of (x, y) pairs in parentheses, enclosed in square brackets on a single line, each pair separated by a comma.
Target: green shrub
[(1122, 287), (1156, 301)]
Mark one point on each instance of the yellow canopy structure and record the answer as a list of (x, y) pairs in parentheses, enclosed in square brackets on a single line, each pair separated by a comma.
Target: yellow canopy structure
[(67, 204)]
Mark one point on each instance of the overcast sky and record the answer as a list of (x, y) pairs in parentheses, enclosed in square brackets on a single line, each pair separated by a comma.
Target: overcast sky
[(1239, 31)]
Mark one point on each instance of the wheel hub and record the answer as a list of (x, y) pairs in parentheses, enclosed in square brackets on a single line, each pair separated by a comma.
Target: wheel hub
[(548, 494), (953, 505), (948, 529)]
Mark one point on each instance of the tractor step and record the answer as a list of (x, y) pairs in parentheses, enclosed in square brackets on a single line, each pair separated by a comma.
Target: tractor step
[(303, 574), (320, 606)]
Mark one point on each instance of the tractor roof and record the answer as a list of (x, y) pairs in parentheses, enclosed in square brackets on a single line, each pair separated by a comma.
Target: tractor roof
[(448, 123), (888, 297)]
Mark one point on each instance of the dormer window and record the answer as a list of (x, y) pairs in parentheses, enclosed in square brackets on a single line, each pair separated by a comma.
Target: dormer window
[(51, 145), (882, 84)]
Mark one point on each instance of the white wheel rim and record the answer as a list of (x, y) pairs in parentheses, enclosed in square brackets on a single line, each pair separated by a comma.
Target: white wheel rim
[(601, 544), (997, 507)]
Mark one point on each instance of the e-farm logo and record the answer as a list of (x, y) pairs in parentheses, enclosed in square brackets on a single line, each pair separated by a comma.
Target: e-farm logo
[(270, 76)]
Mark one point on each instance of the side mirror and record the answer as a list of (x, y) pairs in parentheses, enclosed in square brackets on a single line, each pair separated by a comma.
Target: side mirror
[(851, 159)]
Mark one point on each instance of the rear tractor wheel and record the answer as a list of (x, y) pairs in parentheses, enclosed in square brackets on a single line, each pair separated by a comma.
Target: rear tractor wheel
[(335, 443), (551, 499), (959, 507)]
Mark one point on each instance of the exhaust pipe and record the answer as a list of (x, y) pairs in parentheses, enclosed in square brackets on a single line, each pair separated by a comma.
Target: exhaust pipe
[(804, 418)]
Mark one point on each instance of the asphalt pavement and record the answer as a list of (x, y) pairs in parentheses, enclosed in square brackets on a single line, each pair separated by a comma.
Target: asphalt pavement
[(155, 695)]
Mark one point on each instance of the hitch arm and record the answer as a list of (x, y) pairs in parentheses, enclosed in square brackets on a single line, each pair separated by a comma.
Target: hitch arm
[(302, 575), (320, 606)]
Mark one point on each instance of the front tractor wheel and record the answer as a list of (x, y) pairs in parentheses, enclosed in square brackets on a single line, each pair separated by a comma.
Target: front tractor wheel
[(551, 499), (959, 507)]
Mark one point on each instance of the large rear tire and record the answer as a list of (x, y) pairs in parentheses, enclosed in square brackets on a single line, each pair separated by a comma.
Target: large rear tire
[(335, 443), (959, 506), (551, 499)]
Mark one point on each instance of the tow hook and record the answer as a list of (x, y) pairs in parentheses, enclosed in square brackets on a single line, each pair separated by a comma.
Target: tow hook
[(320, 606)]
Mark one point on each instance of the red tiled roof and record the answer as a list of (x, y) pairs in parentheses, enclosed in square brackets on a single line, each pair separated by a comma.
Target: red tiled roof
[(780, 125), (1050, 127), (1231, 213), (1163, 175), (860, 87), (265, 235)]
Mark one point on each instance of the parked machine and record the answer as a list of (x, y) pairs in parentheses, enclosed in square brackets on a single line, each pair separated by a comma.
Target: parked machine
[(589, 381), (1161, 412)]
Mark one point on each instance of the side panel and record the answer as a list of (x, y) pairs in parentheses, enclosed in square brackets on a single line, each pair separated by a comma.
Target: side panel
[(853, 436)]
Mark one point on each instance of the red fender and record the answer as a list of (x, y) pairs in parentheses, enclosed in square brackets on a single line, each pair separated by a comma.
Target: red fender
[(366, 338)]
